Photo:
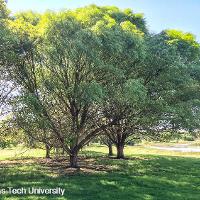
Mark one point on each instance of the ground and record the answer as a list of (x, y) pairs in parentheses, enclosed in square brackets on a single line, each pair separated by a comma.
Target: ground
[(146, 174)]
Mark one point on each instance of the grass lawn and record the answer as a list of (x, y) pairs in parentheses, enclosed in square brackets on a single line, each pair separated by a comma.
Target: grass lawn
[(147, 174)]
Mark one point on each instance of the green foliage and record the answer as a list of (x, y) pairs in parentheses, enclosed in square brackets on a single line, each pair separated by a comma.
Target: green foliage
[(9, 134), (179, 35), (4, 13), (28, 16), (93, 14), (93, 92), (185, 43), (135, 91), (128, 26)]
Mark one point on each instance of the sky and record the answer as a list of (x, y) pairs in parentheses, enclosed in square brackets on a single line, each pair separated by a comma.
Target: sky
[(160, 14)]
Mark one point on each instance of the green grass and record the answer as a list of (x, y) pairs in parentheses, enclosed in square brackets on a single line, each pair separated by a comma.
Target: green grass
[(147, 175), (20, 152)]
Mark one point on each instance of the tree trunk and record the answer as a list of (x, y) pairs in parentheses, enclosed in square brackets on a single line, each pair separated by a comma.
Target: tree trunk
[(48, 149), (120, 151), (63, 151), (110, 153), (74, 159)]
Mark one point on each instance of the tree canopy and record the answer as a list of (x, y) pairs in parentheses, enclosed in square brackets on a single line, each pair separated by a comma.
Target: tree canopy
[(94, 70)]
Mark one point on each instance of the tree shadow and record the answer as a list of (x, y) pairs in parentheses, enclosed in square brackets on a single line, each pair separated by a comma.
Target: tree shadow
[(142, 177)]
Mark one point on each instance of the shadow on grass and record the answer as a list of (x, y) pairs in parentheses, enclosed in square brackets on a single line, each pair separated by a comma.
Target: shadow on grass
[(137, 178)]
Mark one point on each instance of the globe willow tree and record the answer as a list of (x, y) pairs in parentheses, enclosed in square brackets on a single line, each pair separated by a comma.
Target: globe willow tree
[(90, 70), (125, 90), (189, 51), (171, 83), (6, 86), (4, 41), (163, 93), (59, 65), (4, 12)]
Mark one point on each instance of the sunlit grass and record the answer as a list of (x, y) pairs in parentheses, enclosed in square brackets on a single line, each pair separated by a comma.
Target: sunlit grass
[(23, 152), (20, 152), (144, 150)]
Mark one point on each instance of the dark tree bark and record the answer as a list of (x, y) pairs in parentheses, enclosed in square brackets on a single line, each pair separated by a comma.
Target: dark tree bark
[(63, 151), (48, 149), (120, 151), (74, 159), (110, 153)]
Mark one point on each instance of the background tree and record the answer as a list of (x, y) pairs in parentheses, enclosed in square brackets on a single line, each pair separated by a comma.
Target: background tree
[(160, 98), (4, 12), (6, 86), (104, 139)]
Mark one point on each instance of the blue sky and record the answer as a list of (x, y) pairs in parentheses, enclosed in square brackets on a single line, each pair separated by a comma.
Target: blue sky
[(160, 14)]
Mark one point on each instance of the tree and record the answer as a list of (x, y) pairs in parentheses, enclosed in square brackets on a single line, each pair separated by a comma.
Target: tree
[(189, 51), (96, 69), (123, 51), (6, 86), (106, 141), (90, 15), (61, 88), (154, 96), (4, 12), (36, 131), (176, 91), (60, 75), (4, 92)]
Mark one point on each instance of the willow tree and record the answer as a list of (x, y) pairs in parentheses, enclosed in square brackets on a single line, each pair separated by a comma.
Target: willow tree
[(3, 43), (125, 90), (6, 87), (81, 72), (189, 50), (4, 12), (7, 131), (59, 64), (157, 94), (123, 50)]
